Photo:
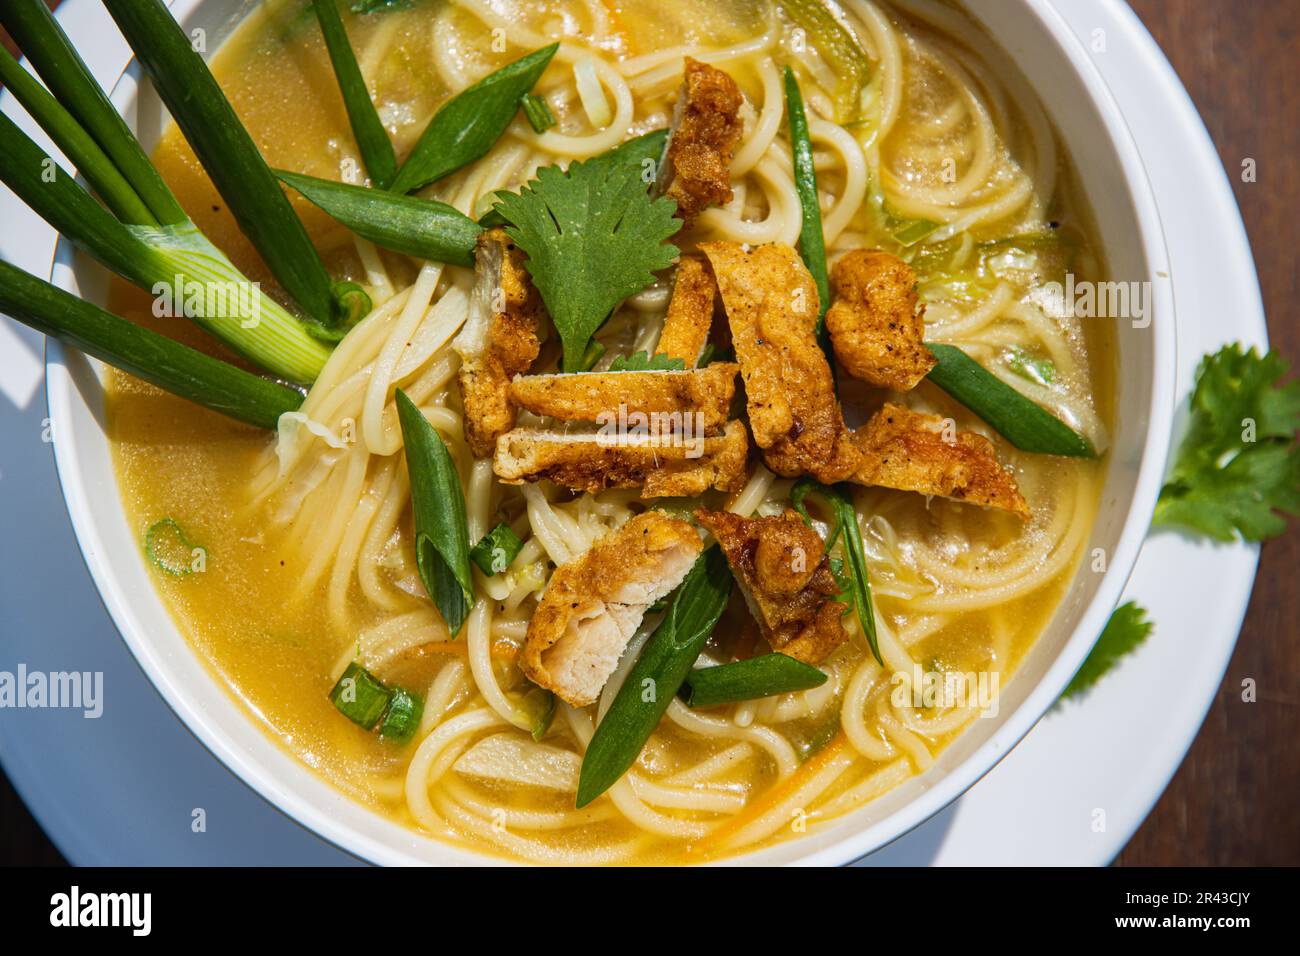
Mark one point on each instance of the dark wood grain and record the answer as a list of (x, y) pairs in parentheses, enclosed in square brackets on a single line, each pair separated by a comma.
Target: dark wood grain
[(1236, 798)]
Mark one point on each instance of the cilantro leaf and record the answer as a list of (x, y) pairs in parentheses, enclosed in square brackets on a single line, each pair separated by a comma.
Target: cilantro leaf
[(1239, 464), (1127, 628), (640, 362), (593, 237)]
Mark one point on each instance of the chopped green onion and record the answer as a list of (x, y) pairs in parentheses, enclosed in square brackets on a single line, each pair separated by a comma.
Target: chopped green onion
[(913, 231), (812, 239), (227, 153), (537, 708), (402, 719), (470, 123), (423, 228), (441, 528), (752, 679), (78, 145), (838, 47), (39, 35), (538, 113), (496, 550), (146, 355), (846, 522), (1026, 365), (821, 736), (167, 547), (360, 696), (1027, 425), (367, 129), (664, 663), (354, 301)]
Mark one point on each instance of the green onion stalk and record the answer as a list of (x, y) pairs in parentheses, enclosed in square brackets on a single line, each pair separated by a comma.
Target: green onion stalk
[(140, 231)]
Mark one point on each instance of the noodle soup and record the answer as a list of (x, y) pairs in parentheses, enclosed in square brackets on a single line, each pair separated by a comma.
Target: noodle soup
[(304, 541)]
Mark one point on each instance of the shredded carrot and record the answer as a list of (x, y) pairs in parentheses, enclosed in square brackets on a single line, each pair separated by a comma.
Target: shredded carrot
[(772, 798), (500, 651)]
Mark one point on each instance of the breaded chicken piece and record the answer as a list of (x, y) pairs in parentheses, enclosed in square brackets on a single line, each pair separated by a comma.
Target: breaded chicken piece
[(690, 312), (772, 307), (706, 128), (593, 605), (499, 340), (786, 579), (876, 328), (907, 450), (592, 461), (594, 396)]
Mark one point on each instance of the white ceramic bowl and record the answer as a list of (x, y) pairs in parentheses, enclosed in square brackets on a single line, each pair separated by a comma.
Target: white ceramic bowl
[(1092, 129)]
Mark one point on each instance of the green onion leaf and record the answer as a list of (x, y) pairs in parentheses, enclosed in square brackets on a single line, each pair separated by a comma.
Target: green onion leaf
[(812, 240), (538, 114), (1027, 425), (423, 228), (227, 152), (441, 528), (823, 735), (372, 139), (403, 717), (360, 696), (845, 522), (146, 355), (470, 123), (752, 679), (39, 35), (496, 550), (78, 145), (664, 663), (168, 549)]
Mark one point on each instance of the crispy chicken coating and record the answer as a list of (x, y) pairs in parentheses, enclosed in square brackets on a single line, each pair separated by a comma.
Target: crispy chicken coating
[(597, 396), (772, 306), (593, 605), (910, 451), (876, 327), (783, 572), (690, 312), (499, 340), (595, 461), (706, 128)]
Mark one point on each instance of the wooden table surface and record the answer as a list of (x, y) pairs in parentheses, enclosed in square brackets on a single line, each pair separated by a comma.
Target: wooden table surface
[(1236, 798)]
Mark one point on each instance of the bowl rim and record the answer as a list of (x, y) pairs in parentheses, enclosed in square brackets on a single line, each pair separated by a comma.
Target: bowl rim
[(946, 788)]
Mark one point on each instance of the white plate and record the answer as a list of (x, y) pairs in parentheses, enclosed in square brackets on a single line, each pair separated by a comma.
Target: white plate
[(123, 789)]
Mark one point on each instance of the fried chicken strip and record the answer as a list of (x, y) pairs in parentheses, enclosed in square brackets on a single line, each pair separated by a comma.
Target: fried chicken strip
[(706, 128), (593, 605), (772, 306), (595, 461), (783, 572), (876, 328), (598, 396), (499, 340), (912, 451)]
